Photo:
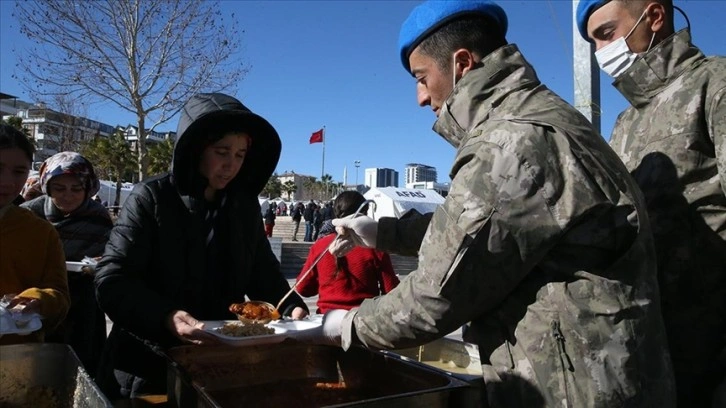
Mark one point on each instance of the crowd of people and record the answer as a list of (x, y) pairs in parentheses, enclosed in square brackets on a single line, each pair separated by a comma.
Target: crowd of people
[(588, 274)]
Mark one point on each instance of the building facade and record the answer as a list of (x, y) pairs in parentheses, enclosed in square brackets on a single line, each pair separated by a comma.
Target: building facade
[(299, 181), (441, 188), (54, 131), (10, 105), (380, 177), (416, 173), (131, 134)]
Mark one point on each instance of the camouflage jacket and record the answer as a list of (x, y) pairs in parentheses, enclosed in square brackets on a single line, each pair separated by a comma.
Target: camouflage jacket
[(535, 247), (673, 139)]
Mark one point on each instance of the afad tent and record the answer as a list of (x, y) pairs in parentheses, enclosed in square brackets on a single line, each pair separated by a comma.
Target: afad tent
[(107, 192), (264, 204), (395, 202)]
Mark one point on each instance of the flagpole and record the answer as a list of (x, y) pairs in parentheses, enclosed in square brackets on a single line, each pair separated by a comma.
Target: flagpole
[(323, 171)]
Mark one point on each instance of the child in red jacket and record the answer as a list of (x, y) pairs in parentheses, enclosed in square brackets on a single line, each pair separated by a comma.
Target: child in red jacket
[(343, 283)]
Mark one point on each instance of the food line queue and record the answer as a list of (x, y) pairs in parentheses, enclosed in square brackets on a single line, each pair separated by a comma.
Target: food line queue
[(580, 269)]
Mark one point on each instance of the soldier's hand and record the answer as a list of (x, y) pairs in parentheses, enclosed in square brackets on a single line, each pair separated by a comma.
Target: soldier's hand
[(361, 231), (329, 333), (341, 245)]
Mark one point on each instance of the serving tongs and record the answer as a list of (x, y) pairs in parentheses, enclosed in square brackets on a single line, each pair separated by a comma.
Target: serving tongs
[(315, 262)]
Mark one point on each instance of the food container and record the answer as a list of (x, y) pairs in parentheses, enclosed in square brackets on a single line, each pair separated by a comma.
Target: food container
[(46, 375), (291, 374), (453, 357)]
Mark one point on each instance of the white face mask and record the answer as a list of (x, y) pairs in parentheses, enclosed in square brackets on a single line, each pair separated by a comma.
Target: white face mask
[(616, 57)]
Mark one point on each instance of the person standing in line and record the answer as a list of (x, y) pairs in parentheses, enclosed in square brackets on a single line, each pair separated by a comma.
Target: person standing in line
[(32, 265), (543, 243), (188, 244), (673, 140), (327, 211), (317, 222), (308, 215), (68, 182), (283, 208), (296, 215), (269, 220)]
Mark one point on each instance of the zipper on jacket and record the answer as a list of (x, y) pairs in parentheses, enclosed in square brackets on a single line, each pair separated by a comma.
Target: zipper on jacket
[(560, 338)]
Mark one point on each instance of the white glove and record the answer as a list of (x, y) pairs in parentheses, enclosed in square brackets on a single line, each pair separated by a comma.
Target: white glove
[(361, 230), (329, 333), (341, 246)]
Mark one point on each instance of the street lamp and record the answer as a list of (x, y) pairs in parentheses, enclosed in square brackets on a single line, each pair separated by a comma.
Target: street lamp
[(357, 164)]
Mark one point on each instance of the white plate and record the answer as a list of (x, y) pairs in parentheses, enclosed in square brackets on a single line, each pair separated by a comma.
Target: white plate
[(77, 266), (214, 327), (294, 326), (283, 330), (8, 326)]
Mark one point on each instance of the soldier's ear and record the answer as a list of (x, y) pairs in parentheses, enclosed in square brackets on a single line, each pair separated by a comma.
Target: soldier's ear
[(464, 61), (655, 17)]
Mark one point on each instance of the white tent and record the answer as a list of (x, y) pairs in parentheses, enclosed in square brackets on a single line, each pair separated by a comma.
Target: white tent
[(108, 192), (394, 201), (264, 204)]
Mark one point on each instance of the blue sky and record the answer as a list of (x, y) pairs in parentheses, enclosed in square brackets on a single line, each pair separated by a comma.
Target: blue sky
[(335, 64)]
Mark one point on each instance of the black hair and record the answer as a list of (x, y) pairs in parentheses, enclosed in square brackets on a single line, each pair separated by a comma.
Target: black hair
[(347, 202), (477, 34), (11, 137)]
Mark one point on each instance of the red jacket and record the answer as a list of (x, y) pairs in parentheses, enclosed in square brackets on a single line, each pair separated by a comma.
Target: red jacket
[(370, 274)]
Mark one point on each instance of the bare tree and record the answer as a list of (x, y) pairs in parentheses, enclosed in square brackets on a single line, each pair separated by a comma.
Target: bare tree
[(72, 117), (145, 56)]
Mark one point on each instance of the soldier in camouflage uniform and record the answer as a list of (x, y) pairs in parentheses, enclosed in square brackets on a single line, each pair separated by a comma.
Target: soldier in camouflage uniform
[(535, 244), (672, 139)]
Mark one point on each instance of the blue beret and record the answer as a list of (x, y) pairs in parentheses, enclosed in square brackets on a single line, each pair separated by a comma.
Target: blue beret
[(432, 15), (584, 9)]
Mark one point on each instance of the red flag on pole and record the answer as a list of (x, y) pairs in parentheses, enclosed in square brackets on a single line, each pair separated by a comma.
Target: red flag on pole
[(317, 137)]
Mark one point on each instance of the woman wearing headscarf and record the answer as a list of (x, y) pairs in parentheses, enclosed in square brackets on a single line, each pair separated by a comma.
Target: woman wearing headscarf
[(188, 244), (68, 182)]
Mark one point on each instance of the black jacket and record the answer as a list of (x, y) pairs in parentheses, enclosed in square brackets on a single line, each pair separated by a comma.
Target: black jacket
[(309, 213), (157, 259), (270, 216), (297, 213)]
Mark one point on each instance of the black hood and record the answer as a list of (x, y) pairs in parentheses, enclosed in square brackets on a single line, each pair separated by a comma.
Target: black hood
[(205, 118)]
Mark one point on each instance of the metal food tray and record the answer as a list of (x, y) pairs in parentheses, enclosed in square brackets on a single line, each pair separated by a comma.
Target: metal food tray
[(290, 374), (455, 358), (46, 375)]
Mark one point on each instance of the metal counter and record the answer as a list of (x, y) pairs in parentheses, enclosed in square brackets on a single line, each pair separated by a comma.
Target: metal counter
[(300, 375), (46, 375)]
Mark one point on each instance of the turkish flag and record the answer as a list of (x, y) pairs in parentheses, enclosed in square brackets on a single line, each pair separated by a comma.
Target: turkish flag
[(317, 137)]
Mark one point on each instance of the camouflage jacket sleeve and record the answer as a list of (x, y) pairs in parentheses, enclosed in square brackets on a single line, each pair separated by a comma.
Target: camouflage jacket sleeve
[(494, 226), (716, 118), (402, 236)]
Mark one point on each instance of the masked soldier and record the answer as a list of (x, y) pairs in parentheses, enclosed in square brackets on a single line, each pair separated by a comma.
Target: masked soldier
[(672, 140)]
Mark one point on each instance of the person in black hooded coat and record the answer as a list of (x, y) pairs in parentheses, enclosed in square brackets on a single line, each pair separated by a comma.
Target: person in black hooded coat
[(188, 244)]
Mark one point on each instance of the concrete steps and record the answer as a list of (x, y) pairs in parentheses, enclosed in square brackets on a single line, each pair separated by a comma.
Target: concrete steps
[(294, 255), (284, 228)]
